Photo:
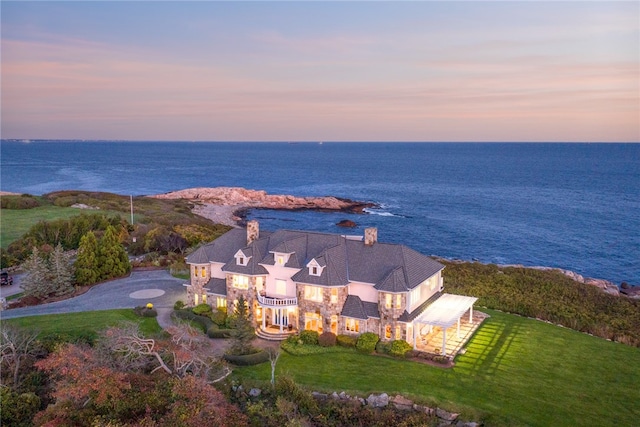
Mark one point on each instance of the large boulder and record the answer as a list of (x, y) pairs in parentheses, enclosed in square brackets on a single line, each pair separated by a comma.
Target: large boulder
[(378, 401)]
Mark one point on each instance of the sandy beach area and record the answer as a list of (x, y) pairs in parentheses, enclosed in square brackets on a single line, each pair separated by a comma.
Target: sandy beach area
[(221, 214)]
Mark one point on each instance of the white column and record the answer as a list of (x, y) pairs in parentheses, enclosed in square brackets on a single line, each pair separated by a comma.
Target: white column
[(264, 318), (458, 328), (471, 314), (413, 329), (444, 341), (280, 317)]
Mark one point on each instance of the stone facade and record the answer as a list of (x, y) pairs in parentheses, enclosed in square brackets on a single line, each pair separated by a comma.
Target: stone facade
[(326, 309)]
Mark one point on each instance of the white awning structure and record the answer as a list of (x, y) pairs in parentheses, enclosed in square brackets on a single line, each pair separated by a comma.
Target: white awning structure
[(445, 312)]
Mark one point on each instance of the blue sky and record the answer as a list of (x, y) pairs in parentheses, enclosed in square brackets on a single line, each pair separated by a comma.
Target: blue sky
[(362, 71)]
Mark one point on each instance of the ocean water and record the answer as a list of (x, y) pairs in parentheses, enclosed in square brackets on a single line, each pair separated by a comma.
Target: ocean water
[(572, 206)]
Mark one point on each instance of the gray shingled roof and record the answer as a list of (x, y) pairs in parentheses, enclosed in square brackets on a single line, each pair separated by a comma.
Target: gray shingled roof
[(221, 249), (217, 287), (389, 267), (358, 309)]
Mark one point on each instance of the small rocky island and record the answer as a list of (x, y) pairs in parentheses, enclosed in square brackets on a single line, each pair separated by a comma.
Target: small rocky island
[(226, 204)]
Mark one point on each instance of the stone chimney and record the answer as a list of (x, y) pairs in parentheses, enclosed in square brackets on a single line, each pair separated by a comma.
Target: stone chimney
[(370, 236), (253, 231)]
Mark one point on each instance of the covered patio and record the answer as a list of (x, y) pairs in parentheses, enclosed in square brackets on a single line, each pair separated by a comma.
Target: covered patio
[(446, 325)]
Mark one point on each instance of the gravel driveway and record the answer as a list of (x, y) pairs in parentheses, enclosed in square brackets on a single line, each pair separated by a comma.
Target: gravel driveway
[(154, 286)]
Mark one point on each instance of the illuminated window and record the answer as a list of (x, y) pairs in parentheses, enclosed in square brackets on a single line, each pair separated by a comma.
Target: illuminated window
[(334, 296), (352, 325), (204, 298), (240, 282), (280, 260), (281, 287), (398, 333), (221, 302), (388, 301), (387, 331), (398, 301), (313, 322), (313, 293), (415, 296), (204, 272)]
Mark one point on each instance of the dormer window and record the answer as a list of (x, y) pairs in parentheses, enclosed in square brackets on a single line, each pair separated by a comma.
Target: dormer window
[(314, 268), (241, 259), (280, 259)]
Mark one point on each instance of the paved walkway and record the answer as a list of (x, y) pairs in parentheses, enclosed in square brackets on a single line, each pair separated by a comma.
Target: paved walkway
[(154, 286)]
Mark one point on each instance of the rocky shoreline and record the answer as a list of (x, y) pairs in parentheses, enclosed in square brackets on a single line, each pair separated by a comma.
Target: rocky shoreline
[(229, 205)]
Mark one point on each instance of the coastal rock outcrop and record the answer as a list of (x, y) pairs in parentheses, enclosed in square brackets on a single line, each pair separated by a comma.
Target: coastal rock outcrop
[(239, 198), (347, 223)]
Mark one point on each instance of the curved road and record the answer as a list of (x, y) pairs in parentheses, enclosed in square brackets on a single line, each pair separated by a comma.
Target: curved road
[(154, 286)]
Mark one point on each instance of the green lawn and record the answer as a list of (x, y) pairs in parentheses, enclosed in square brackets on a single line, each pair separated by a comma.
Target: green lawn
[(516, 371), (85, 324)]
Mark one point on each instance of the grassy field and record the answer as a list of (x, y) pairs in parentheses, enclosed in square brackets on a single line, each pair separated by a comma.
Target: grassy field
[(85, 324), (516, 372), (16, 222)]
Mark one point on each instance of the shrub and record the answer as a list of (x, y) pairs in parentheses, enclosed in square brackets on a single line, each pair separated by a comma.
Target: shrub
[(309, 337), (327, 339), (186, 314), (367, 342), (346, 341), (383, 347), (399, 348), (145, 311), (24, 201), (215, 332), (247, 359), (203, 309), (286, 387), (179, 305), (219, 316)]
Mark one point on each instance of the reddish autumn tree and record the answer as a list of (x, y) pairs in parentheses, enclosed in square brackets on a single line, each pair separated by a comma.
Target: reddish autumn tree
[(196, 403), (81, 379)]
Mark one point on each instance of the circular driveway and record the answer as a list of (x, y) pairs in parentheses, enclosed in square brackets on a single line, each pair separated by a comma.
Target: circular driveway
[(154, 286)]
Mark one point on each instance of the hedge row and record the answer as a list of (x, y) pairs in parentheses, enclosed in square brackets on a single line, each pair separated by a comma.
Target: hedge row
[(187, 314), (247, 359)]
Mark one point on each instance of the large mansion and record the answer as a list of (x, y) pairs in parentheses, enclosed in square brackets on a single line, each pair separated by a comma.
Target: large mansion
[(295, 280)]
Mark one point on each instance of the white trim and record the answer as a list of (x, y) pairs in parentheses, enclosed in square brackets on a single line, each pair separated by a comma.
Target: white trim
[(446, 310)]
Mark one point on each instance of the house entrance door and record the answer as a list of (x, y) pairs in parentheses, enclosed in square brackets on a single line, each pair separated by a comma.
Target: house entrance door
[(281, 317)]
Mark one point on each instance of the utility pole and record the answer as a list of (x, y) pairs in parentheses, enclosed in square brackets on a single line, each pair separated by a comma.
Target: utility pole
[(131, 199)]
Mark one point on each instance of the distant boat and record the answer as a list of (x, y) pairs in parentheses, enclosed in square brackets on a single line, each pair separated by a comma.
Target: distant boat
[(320, 143)]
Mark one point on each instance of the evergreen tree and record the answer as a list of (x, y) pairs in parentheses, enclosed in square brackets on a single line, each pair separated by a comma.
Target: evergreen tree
[(61, 271), (242, 332), (36, 281), (86, 265), (112, 258)]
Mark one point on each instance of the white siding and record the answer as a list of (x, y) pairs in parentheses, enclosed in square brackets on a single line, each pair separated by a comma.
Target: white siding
[(282, 273), (216, 271), (365, 291)]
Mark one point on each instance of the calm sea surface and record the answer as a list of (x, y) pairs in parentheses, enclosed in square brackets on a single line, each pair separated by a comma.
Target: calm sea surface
[(573, 206)]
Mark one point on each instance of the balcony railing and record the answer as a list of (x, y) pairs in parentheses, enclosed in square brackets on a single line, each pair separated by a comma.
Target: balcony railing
[(276, 302)]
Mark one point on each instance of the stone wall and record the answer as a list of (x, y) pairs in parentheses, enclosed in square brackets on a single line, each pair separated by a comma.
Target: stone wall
[(389, 316), (326, 308), (234, 293)]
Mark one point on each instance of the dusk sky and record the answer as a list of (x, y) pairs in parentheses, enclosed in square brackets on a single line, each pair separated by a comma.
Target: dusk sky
[(321, 71)]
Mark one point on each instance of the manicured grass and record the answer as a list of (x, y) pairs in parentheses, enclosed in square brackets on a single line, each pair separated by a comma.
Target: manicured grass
[(16, 222), (85, 324), (516, 371)]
